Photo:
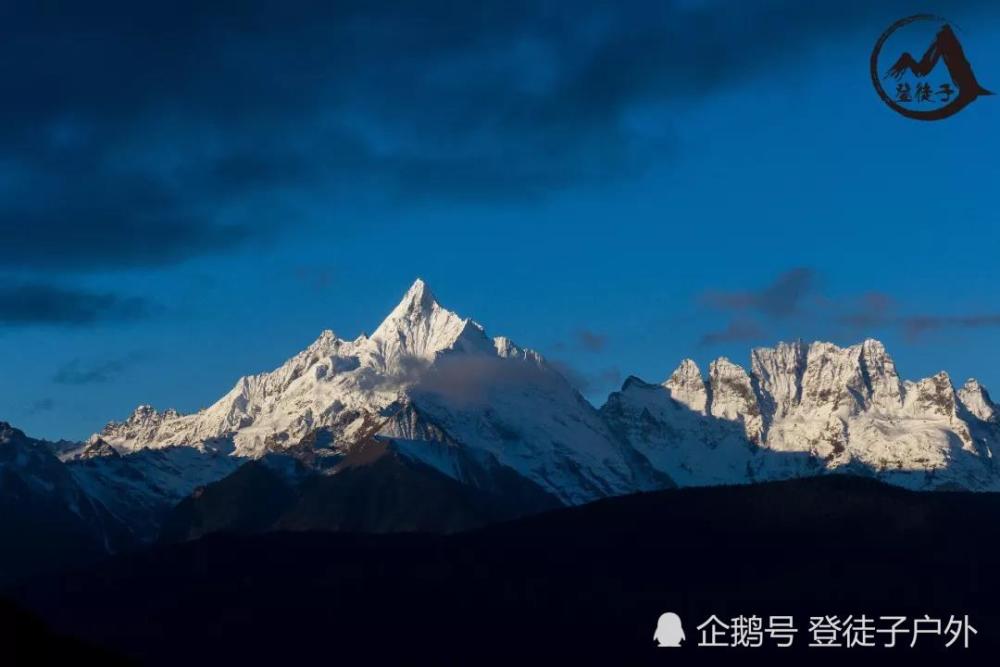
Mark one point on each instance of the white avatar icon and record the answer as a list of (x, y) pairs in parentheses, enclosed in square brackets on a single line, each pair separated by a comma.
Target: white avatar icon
[(669, 631)]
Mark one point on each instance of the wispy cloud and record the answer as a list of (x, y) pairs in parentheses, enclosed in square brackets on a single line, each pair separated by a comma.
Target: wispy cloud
[(793, 301), (737, 331), (782, 298), (870, 310), (916, 325), (76, 373), (878, 310), (45, 304)]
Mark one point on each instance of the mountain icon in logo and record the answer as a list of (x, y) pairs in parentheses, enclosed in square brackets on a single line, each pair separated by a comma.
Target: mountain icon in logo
[(926, 103)]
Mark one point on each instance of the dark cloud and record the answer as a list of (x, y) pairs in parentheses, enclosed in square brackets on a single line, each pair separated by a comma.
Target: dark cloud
[(76, 373), (871, 310), (784, 299), (875, 310), (53, 305), (914, 326), (592, 341), (140, 134), (794, 303), (737, 331), (102, 222), (781, 299)]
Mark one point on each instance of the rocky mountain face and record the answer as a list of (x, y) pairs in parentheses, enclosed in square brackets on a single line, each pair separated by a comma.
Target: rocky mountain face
[(431, 401), (804, 409)]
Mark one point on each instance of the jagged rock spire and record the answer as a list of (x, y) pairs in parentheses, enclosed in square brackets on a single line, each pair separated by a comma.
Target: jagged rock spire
[(687, 386), (977, 400)]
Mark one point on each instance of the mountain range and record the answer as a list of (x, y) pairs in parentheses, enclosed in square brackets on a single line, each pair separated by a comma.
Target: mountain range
[(429, 424)]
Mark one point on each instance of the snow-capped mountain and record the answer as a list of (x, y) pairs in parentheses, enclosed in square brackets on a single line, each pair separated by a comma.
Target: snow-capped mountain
[(332, 383), (431, 381), (427, 375), (804, 409), (429, 401)]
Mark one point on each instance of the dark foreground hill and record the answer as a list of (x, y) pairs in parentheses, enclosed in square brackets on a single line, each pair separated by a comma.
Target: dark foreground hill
[(576, 586), (27, 641)]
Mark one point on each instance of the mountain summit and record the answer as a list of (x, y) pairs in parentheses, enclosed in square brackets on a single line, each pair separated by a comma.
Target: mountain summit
[(419, 328)]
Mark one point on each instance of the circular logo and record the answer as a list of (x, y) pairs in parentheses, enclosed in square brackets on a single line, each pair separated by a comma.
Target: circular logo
[(938, 85)]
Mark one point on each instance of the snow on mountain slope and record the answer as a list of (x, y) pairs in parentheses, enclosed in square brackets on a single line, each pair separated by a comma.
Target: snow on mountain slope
[(330, 379), (808, 408), (419, 328), (472, 391), (140, 488), (529, 418), (685, 442), (428, 375)]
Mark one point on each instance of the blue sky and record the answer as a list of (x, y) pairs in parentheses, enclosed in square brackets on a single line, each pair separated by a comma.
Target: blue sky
[(188, 196)]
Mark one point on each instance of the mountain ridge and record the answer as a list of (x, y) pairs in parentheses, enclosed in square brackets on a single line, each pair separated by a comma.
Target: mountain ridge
[(427, 374), (450, 405)]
